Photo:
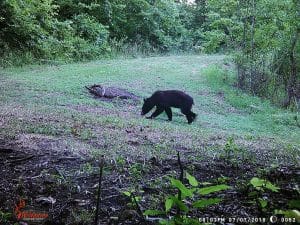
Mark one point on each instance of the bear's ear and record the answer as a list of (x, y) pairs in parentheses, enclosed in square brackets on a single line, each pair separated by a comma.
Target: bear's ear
[(145, 99)]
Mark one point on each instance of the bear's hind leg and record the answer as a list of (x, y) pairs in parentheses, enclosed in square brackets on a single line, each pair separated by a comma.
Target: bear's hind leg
[(169, 113)]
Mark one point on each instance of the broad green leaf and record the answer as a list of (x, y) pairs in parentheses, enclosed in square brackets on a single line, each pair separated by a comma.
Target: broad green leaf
[(205, 183), (179, 204), (272, 187), (259, 184), (192, 180), (206, 202), (153, 212), (191, 221), (211, 189), (263, 203), (163, 222), (294, 204), (168, 204), (289, 214), (166, 222), (223, 179), (253, 194), (256, 182), (184, 190), (127, 193), (137, 198)]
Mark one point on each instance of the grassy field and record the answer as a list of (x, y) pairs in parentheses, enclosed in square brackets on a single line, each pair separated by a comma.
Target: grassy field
[(48, 105), (53, 131)]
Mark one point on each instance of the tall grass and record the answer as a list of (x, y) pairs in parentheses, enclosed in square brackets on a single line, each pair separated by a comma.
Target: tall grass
[(116, 49), (259, 109), (124, 49)]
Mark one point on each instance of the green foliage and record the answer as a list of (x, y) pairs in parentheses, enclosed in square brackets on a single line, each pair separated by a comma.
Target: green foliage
[(212, 41), (262, 185), (5, 217), (184, 191), (33, 31), (80, 29), (24, 23), (223, 83), (150, 212), (230, 149), (263, 203), (157, 23), (264, 36), (136, 170), (206, 202), (82, 216), (233, 153), (133, 199), (192, 180), (222, 28), (213, 189), (188, 200), (290, 215), (294, 204), (77, 39), (32, 26), (168, 204), (89, 29), (266, 68)]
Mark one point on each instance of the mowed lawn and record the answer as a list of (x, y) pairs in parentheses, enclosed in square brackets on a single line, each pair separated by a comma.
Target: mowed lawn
[(47, 107)]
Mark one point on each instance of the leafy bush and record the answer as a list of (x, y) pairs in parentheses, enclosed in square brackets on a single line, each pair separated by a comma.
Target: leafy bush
[(59, 44), (32, 27), (186, 200), (213, 41), (89, 29), (24, 23)]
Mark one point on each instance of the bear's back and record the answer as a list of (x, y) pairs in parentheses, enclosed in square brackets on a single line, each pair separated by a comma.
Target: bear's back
[(174, 98)]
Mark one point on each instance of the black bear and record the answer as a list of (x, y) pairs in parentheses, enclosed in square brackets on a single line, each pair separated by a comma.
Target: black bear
[(164, 100)]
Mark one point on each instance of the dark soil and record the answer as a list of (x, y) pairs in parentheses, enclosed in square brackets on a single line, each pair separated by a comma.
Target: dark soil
[(71, 180)]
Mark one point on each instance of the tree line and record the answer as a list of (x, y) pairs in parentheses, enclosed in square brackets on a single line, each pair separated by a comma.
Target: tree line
[(261, 35)]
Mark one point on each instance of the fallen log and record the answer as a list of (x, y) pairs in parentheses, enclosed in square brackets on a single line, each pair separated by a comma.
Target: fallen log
[(110, 92)]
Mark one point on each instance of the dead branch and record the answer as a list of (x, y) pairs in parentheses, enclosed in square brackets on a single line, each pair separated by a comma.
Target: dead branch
[(6, 150), (180, 178), (101, 165), (140, 212), (20, 160)]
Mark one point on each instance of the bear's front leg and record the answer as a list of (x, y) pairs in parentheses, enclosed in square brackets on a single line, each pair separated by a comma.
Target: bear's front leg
[(169, 113), (158, 111)]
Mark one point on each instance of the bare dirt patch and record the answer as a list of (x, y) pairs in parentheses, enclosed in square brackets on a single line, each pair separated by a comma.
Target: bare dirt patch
[(72, 181), (128, 109)]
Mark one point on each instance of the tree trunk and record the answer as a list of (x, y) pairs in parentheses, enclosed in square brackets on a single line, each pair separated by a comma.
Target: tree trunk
[(292, 91), (252, 47), (240, 66)]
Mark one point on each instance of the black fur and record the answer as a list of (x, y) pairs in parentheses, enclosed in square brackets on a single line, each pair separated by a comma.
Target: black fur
[(164, 100)]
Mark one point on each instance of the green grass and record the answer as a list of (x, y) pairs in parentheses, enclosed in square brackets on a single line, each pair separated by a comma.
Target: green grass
[(259, 116), (52, 101)]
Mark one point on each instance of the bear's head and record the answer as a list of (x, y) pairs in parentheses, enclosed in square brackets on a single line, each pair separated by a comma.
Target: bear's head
[(147, 106)]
